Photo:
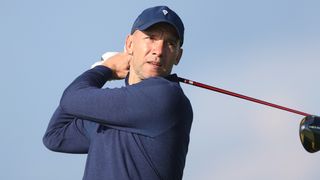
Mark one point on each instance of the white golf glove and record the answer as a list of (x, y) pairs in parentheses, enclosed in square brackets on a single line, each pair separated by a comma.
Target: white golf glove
[(104, 57)]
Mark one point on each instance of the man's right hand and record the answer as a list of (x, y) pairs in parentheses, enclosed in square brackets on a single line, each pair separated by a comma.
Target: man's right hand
[(119, 64)]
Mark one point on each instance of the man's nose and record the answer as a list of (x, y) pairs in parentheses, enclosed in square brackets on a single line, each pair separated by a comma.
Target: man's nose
[(158, 47)]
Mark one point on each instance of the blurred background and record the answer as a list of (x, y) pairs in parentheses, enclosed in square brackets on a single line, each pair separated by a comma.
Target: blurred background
[(268, 49)]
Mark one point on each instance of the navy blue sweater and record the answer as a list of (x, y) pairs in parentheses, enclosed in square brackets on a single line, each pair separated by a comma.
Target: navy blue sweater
[(139, 131)]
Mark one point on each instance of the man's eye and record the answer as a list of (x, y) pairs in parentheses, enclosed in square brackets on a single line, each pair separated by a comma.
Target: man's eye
[(172, 44)]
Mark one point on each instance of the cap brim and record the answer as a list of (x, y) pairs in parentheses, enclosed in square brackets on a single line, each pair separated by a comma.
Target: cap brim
[(156, 21)]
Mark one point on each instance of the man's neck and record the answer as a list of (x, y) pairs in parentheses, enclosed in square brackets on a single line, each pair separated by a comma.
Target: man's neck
[(133, 79)]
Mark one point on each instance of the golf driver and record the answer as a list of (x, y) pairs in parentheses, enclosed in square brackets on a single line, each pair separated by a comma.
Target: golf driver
[(309, 127)]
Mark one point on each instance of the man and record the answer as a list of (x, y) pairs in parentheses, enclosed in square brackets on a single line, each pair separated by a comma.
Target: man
[(140, 131)]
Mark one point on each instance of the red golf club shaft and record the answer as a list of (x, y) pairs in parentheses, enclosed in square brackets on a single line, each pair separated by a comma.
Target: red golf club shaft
[(187, 81)]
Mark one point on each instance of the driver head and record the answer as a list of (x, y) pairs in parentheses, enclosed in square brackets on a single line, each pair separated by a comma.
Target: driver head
[(310, 133)]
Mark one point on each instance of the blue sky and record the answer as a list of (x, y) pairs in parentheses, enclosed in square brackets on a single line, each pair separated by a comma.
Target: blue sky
[(268, 49)]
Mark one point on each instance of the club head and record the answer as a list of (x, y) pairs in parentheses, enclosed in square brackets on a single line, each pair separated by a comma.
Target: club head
[(310, 133)]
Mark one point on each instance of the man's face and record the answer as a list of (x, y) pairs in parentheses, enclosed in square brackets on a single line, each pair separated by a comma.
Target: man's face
[(154, 52)]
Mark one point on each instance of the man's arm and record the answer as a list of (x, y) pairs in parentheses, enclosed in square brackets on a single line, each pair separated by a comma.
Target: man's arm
[(148, 107), (66, 133)]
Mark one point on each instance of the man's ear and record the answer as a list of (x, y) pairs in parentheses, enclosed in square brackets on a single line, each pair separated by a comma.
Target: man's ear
[(179, 56), (128, 46)]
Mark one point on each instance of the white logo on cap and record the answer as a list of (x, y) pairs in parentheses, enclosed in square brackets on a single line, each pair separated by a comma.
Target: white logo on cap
[(165, 12)]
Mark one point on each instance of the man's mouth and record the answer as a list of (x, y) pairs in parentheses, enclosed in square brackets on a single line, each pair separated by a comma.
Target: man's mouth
[(155, 63)]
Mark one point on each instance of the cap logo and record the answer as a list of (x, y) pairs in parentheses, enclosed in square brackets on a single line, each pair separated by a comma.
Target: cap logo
[(165, 12)]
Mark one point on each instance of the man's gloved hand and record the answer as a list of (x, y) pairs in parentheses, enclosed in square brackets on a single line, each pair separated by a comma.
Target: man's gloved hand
[(119, 64), (105, 56)]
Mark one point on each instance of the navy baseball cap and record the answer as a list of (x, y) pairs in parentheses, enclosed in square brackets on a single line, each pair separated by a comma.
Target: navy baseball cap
[(158, 14)]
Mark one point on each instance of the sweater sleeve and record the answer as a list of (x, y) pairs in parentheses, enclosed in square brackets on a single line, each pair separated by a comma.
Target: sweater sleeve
[(66, 133), (149, 107)]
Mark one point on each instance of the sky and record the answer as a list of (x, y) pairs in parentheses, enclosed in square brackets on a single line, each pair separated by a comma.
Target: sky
[(267, 49)]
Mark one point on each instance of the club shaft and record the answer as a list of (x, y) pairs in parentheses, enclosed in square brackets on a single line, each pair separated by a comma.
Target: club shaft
[(194, 83)]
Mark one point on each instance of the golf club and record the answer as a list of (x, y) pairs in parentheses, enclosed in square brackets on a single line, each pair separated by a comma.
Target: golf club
[(309, 127)]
